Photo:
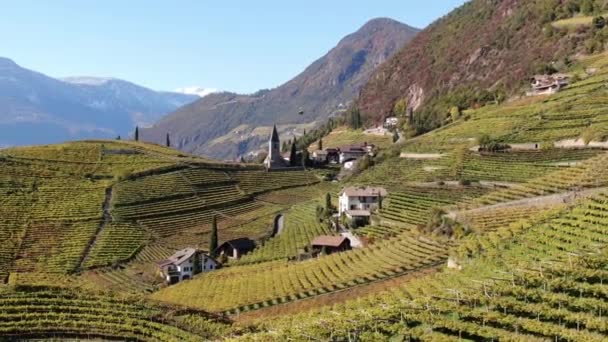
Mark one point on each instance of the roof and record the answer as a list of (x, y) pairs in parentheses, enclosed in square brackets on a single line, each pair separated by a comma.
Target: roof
[(331, 241), (178, 257), (242, 244), (275, 134), (358, 213), (353, 191)]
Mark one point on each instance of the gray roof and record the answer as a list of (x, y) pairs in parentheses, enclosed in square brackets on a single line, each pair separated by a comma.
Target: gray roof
[(367, 191), (275, 134), (178, 257)]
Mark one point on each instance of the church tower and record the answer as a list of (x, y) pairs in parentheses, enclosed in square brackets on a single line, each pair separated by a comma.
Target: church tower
[(274, 158)]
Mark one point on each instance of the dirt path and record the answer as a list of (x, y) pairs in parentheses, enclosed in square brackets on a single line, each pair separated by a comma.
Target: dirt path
[(106, 219)]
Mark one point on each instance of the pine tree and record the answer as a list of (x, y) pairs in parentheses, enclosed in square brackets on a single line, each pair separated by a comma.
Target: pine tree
[(213, 239), (320, 146), (136, 133), (293, 155), (168, 141)]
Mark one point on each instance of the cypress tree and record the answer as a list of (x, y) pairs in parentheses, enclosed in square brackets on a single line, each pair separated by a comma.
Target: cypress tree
[(293, 155), (118, 137), (305, 158), (213, 239), (136, 133), (320, 147), (395, 136), (168, 141), (328, 202)]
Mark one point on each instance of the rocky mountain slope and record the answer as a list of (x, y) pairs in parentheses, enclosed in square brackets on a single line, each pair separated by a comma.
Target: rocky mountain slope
[(495, 45), (225, 125), (37, 109)]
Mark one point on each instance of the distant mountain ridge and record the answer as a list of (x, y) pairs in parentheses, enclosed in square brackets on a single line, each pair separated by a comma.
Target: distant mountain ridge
[(226, 125), (38, 109)]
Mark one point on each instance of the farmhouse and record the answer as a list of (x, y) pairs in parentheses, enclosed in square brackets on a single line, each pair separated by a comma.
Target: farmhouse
[(358, 202), (548, 84), (184, 264), (353, 152), (391, 122), (234, 249), (320, 156), (330, 244), (333, 155)]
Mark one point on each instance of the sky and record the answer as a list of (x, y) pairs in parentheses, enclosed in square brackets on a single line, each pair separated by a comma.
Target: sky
[(231, 45)]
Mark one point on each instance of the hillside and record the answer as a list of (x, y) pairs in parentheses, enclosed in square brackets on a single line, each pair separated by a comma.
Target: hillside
[(480, 52), (226, 125), (52, 110), (523, 231)]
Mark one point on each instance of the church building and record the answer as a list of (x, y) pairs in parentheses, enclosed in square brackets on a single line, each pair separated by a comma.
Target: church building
[(274, 160)]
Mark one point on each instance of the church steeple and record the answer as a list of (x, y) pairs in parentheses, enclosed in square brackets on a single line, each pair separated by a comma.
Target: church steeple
[(275, 135), (274, 158)]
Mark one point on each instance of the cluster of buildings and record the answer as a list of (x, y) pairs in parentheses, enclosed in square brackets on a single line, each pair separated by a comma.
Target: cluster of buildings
[(548, 84), (186, 263), (333, 155), (355, 204)]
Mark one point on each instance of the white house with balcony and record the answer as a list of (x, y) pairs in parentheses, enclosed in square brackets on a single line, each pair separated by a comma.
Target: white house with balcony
[(357, 203), (184, 264)]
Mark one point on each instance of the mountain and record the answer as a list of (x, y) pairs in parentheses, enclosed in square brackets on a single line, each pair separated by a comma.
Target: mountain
[(481, 49), (225, 125), (38, 109)]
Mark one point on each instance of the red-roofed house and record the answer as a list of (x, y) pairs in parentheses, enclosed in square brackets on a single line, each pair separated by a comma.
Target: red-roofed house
[(330, 244)]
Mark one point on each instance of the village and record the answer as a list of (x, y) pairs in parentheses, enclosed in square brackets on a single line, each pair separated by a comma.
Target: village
[(356, 205)]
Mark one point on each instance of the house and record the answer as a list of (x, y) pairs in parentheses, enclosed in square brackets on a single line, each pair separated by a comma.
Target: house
[(548, 84), (353, 152), (326, 245), (274, 159), (391, 122), (184, 264), (358, 202), (320, 156), (356, 151), (333, 155), (234, 249)]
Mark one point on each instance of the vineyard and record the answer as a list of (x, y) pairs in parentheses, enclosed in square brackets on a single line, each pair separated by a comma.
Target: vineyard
[(249, 287), (544, 282), (66, 314), (300, 227), (469, 245)]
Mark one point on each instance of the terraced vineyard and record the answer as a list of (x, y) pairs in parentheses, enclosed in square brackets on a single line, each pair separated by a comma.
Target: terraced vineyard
[(300, 228), (546, 282), (404, 210), (69, 315), (256, 181), (242, 288), (117, 242), (586, 175)]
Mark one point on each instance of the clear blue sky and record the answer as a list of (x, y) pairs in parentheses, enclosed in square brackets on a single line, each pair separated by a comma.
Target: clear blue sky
[(226, 44)]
